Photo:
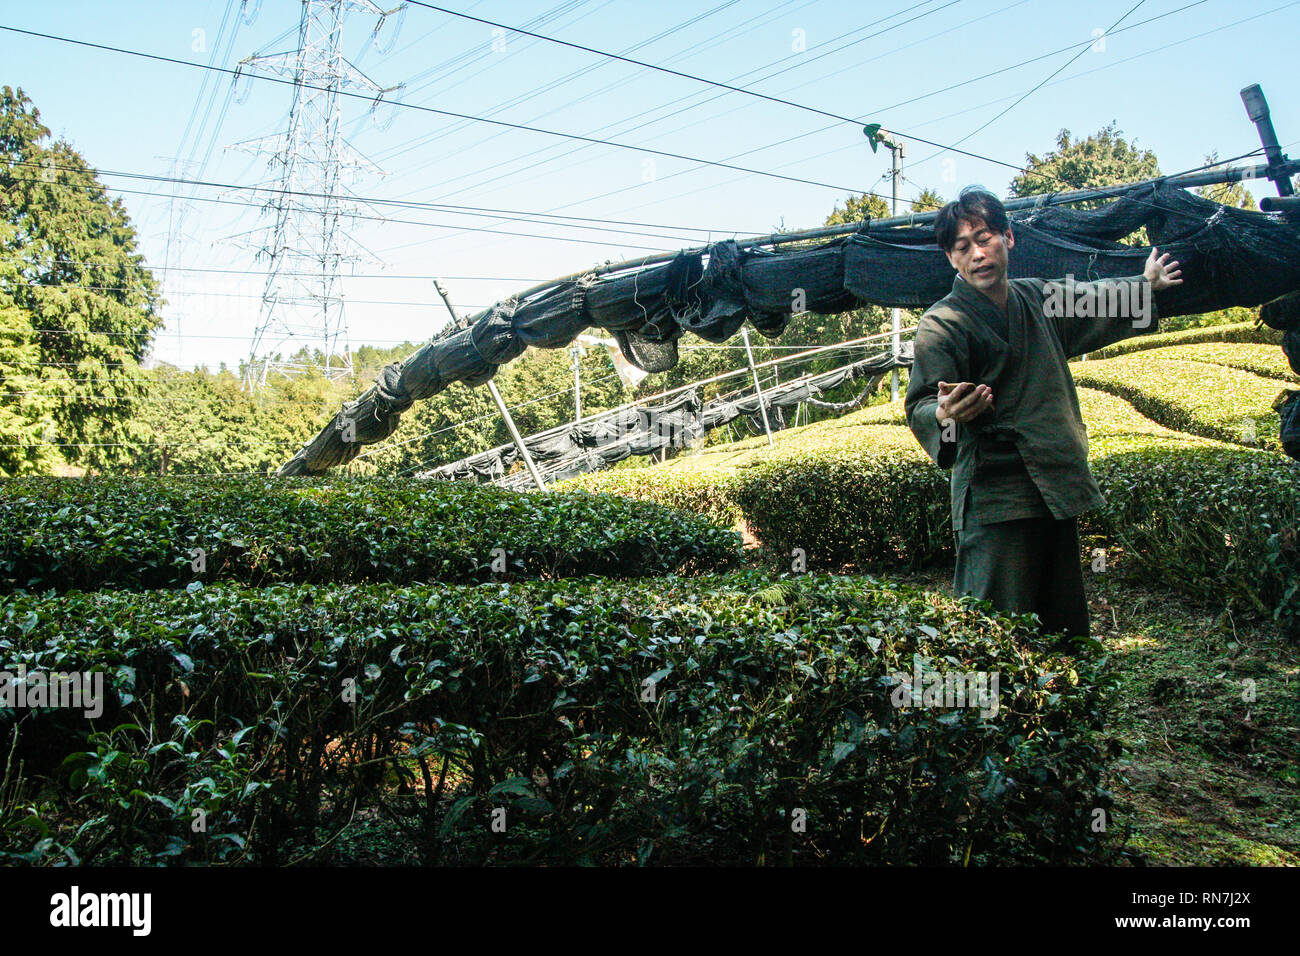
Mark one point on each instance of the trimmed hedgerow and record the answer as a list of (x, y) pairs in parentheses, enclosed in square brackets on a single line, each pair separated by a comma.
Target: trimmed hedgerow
[(1268, 361), (873, 500), (1114, 426), (704, 493), (1219, 524), (861, 507), (855, 494), (145, 532), (661, 720), (1235, 332), (1196, 397)]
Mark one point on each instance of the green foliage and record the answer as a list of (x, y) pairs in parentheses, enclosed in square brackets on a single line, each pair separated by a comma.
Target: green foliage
[(860, 506), (858, 492), (80, 308), (859, 209), (667, 721), (1197, 397), (928, 201), (140, 533), (1103, 159), (1244, 332), (27, 410), (1267, 361), (1222, 526), (706, 494)]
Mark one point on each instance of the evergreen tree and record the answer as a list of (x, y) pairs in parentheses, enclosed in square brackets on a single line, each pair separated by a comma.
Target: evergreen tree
[(81, 307), (1103, 159)]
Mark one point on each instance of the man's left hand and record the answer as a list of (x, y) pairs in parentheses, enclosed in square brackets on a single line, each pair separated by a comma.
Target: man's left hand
[(1160, 272)]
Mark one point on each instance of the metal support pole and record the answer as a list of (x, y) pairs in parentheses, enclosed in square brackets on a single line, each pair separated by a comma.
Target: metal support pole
[(757, 388), (1257, 110), (501, 402), (895, 319), (577, 384), (514, 434)]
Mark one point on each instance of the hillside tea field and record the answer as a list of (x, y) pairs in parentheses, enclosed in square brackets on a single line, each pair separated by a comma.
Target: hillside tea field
[(360, 670)]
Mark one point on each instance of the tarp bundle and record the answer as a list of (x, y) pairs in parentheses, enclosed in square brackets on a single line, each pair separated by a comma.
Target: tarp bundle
[(1229, 257), (609, 437)]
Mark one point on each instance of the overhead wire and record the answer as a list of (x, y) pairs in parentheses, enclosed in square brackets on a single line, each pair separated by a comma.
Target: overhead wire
[(521, 215), (1055, 73), (676, 105), (428, 109), (693, 48)]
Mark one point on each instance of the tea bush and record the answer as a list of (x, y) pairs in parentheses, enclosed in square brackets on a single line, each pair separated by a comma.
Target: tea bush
[(143, 532), (1246, 332), (707, 494), (1196, 397), (670, 719), (1221, 525), (1268, 361)]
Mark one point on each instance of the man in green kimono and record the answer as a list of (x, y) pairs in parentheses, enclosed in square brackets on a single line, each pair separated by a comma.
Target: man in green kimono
[(1020, 473)]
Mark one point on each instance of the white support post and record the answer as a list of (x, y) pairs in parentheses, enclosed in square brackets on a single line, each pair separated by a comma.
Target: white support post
[(501, 403), (758, 390)]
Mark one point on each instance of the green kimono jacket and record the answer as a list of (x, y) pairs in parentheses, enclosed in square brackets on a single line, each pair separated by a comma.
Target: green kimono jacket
[(1029, 456)]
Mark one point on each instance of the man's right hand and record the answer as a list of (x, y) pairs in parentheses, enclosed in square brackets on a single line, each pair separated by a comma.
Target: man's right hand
[(963, 401)]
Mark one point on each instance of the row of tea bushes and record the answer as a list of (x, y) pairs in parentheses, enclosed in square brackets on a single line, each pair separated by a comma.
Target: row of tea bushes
[(858, 491), (707, 493), (1244, 332), (1268, 361), (726, 718), (1219, 524), (159, 532), (1197, 397), (873, 501)]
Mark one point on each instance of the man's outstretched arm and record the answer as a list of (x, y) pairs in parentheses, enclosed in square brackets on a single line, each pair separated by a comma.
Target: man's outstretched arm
[(1092, 315)]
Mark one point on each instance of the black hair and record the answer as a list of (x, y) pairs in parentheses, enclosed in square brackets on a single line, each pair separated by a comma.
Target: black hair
[(974, 203)]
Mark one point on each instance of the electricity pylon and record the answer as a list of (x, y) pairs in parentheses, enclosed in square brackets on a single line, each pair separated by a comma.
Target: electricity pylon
[(302, 303)]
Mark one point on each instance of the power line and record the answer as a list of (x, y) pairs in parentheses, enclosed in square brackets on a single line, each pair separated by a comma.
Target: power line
[(681, 107), (1120, 62), (907, 135), (518, 215), (429, 109), (695, 48), (640, 63), (804, 135), (1016, 66), (430, 303), (144, 334), (1055, 73), (774, 99), (260, 272), (411, 143)]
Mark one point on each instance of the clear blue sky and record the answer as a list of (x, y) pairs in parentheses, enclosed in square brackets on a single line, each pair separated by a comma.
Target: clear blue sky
[(1171, 83)]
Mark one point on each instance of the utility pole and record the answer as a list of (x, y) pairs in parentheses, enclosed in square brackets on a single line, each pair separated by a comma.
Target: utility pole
[(576, 350), (896, 153)]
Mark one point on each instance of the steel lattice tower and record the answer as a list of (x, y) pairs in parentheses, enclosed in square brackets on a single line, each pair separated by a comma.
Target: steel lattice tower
[(302, 303)]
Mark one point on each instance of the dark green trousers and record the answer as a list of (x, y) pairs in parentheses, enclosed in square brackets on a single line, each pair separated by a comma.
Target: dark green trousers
[(1026, 565)]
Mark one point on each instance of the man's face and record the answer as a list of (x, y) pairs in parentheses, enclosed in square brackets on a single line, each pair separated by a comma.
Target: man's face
[(980, 255)]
